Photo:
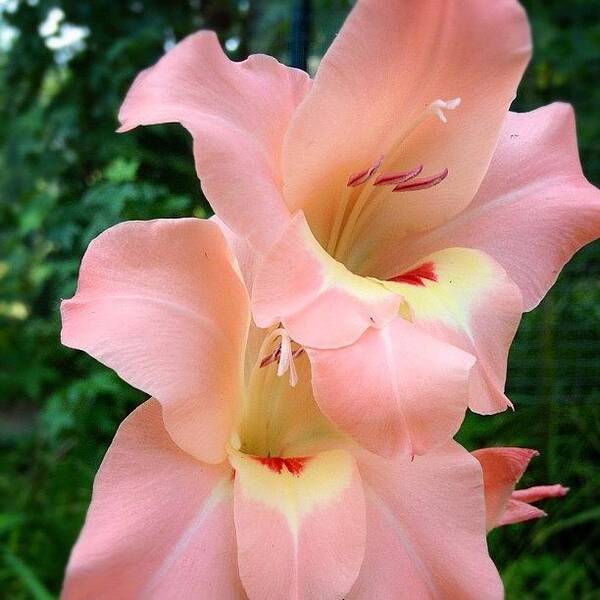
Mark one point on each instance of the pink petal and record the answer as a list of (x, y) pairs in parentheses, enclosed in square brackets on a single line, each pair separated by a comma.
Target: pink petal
[(300, 526), (516, 511), (246, 257), (395, 390), (464, 297), (425, 529), (502, 469), (320, 302), (160, 524), (540, 492), (237, 113), (534, 209), (162, 304), (389, 62)]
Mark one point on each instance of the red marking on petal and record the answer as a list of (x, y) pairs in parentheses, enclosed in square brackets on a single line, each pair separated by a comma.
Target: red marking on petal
[(397, 178), (422, 184), (294, 465), (275, 464), (361, 177), (416, 276)]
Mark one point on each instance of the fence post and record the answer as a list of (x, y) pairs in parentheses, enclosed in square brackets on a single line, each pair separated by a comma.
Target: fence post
[(300, 33)]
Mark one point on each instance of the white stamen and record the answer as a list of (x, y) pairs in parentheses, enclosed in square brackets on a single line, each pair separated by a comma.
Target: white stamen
[(439, 106), (286, 358), (283, 354)]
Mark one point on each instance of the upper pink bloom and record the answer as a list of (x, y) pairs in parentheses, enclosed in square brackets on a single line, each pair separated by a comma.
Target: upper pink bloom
[(232, 484), (398, 217)]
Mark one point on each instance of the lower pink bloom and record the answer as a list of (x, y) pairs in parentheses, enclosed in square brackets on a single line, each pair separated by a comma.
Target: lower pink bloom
[(232, 484), (165, 525)]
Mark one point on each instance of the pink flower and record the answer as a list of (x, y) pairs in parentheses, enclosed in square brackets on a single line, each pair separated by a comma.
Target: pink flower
[(395, 209), (232, 484), (502, 469)]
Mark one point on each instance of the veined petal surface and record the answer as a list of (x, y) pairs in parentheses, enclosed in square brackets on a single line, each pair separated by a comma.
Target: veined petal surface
[(397, 390), (465, 298), (320, 302), (300, 525), (238, 114), (160, 525), (390, 61), (426, 534), (162, 303)]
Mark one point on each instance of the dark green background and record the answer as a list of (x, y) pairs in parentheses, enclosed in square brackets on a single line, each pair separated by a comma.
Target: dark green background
[(65, 176)]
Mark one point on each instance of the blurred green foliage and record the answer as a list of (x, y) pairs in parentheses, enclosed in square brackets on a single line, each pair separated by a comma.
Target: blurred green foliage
[(65, 176)]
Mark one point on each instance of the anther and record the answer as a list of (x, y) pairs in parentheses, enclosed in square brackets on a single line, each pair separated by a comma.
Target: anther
[(421, 184), (361, 177), (397, 178), (271, 358)]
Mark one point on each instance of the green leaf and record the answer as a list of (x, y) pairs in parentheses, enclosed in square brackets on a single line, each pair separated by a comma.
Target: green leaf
[(27, 577)]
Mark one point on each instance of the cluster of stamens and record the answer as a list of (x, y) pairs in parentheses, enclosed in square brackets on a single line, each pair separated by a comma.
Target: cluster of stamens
[(405, 181)]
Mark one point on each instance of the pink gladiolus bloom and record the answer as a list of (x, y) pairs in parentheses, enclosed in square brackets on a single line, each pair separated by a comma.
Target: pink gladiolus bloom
[(393, 204), (502, 469), (232, 484)]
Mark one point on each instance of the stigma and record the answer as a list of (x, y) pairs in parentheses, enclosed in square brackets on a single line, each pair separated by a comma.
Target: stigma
[(439, 106)]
